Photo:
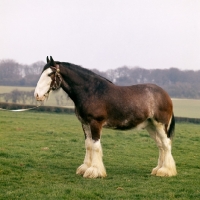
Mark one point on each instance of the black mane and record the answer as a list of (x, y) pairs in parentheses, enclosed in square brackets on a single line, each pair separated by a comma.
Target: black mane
[(81, 70)]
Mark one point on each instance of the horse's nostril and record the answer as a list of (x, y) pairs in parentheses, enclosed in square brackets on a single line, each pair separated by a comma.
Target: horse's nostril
[(36, 96)]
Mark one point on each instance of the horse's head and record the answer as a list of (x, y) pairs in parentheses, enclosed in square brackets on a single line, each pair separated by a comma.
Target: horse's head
[(50, 79)]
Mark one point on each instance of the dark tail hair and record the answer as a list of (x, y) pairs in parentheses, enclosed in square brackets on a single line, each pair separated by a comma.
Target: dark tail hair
[(171, 130)]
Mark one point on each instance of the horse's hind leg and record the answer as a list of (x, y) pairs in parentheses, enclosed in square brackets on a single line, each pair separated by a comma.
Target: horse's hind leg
[(166, 165), (88, 155), (153, 134)]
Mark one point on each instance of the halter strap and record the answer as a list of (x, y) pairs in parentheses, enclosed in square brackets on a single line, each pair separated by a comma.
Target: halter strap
[(55, 85)]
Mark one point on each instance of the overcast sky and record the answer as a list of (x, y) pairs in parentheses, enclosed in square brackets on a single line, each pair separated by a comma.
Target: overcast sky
[(102, 34)]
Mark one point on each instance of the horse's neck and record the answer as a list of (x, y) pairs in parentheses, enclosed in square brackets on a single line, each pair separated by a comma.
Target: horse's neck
[(73, 83)]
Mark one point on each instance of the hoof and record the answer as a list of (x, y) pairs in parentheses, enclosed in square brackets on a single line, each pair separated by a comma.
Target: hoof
[(154, 170), (166, 172), (82, 169), (94, 172)]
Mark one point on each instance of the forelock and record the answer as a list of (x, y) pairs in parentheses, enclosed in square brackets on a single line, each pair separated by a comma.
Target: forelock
[(48, 65)]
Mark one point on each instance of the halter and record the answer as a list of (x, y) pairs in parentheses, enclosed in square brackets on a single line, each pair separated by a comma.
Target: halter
[(57, 80)]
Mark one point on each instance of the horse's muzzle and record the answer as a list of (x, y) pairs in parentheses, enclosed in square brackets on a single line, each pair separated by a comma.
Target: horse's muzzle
[(40, 98)]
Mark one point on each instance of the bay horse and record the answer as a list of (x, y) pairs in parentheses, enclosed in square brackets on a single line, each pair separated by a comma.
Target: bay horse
[(100, 103)]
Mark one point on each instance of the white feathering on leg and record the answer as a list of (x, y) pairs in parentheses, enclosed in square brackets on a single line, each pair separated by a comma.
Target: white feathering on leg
[(97, 168), (88, 155)]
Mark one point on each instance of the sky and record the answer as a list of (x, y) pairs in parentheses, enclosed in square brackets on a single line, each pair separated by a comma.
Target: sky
[(102, 34)]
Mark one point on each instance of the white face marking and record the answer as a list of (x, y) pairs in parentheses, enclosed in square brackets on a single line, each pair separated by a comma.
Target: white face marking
[(43, 85)]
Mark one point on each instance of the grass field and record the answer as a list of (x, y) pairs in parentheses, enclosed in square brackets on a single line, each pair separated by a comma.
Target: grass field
[(39, 154), (7, 89), (182, 107), (187, 108)]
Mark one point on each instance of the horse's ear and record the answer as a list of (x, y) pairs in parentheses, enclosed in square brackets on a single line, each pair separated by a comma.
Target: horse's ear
[(48, 59), (52, 61)]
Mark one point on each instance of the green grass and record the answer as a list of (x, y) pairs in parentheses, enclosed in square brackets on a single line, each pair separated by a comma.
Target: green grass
[(39, 154)]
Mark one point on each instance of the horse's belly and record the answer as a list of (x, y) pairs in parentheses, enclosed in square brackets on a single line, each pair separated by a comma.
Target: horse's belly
[(125, 124)]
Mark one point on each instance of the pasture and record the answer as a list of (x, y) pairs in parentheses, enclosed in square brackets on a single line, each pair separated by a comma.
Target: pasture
[(182, 107), (39, 154)]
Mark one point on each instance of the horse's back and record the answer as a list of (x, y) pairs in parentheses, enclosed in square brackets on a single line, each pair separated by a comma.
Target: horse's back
[(142, 94)]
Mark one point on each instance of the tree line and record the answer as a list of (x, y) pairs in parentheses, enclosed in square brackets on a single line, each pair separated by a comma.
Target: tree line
[(15, 74), (16, 96), (178, 83)]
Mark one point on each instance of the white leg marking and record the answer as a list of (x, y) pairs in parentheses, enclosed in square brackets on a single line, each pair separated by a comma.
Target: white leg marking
[(166, 165), (152, 132), (88, 155), (97, 168)]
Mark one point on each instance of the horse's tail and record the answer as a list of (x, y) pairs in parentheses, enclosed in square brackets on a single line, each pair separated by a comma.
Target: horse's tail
[(171, 129)]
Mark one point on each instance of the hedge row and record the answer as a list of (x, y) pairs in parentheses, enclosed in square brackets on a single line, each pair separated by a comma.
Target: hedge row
[(189, 120), (12, 106)]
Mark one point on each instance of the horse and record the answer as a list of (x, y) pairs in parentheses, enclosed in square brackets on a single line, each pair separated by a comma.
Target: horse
[(100, 103)]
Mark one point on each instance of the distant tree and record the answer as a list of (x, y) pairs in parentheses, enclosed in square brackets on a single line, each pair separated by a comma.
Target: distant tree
[(7, 97), (34, 69), (10, 72), (15, 96)]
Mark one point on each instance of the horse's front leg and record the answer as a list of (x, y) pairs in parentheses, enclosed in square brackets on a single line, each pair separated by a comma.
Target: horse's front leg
[(88, 146), (94, 153), (97, 168)]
